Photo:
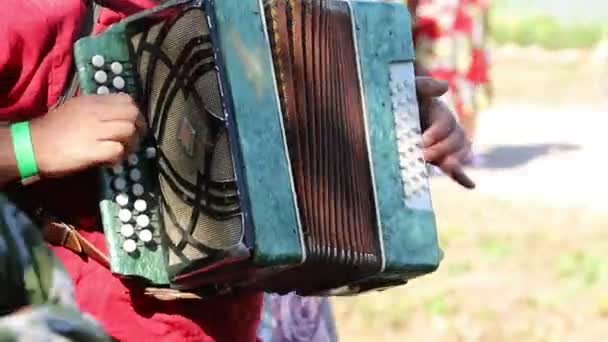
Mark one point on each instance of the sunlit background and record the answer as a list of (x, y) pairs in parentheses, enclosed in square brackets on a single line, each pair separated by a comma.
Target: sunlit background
[(526, 253)]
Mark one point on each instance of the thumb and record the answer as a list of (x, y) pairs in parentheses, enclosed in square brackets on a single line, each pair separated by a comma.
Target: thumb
[(430, 87)]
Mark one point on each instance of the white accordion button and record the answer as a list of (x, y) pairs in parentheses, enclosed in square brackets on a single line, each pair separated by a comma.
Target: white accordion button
[(122, 200), (101, 76), (137, 189), (116, 68), (118, 82), (127, 230), (143, 221), (150, 152), (118, 169), (98, 61), (129, 246), (145, 235), (140, 205), (125, 215), (103, 90), (135, 175), (120, 184), (133, 159)]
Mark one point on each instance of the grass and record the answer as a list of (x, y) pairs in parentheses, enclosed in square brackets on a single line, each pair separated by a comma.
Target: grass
[(549, 24), (513, 272), (541, 77), (546, 31)]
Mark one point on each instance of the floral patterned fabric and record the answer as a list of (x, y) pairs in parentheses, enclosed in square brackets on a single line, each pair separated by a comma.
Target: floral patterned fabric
[(450, 39), (292, 318)]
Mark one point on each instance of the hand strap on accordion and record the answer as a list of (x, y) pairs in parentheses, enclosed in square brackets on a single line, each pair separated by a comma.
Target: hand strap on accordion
[(65, 235)]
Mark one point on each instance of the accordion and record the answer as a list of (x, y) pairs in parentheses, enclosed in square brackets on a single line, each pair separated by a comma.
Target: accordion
[(283, 151)]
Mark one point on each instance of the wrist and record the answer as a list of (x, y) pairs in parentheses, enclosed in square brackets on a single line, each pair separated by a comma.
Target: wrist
[(23, 149)]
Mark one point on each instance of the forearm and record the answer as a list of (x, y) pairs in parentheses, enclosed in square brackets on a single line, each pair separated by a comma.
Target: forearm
[(8, 163)]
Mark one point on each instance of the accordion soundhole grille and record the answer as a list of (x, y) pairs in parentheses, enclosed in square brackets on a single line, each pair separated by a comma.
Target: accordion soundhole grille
[(316, 66), (200, 209)]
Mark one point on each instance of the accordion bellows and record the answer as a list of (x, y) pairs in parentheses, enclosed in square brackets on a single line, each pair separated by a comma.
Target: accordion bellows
[(284, 147)]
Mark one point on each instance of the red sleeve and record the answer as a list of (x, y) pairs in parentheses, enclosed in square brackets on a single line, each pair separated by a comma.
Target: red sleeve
[(115, 10)]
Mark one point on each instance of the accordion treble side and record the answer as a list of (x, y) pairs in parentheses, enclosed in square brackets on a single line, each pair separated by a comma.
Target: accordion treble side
[(284, 149)]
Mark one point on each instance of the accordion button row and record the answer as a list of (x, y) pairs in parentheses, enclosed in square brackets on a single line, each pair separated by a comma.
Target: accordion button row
[(139, 205), (130, 245), (136, 228), (101, 76)]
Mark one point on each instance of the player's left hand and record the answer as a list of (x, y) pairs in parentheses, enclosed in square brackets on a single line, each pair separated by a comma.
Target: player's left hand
[(444, 141)]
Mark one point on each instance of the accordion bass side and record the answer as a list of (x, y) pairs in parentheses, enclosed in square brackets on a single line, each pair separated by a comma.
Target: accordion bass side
[(283, 151)]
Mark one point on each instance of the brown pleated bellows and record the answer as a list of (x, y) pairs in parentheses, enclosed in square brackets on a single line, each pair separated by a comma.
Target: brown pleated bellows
[(316, 67)]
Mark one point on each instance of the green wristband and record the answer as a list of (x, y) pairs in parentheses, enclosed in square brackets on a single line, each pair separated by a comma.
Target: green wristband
[(24, 150)]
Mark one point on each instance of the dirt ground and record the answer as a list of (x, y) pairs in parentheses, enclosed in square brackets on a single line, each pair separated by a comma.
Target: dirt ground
[(526, 256)]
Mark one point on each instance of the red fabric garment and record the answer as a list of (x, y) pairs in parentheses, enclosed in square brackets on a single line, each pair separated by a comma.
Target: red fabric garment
[(36, 40), (478, 71)]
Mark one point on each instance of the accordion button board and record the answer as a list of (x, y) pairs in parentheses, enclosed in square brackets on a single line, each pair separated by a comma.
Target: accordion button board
[(414, 174), (284, 151)]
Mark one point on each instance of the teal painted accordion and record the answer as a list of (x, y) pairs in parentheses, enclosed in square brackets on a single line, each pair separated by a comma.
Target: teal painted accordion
[(283, 151)]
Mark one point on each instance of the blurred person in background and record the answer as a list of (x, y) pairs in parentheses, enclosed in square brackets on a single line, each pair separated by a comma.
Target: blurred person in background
[(37, 300), (451, 44)]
